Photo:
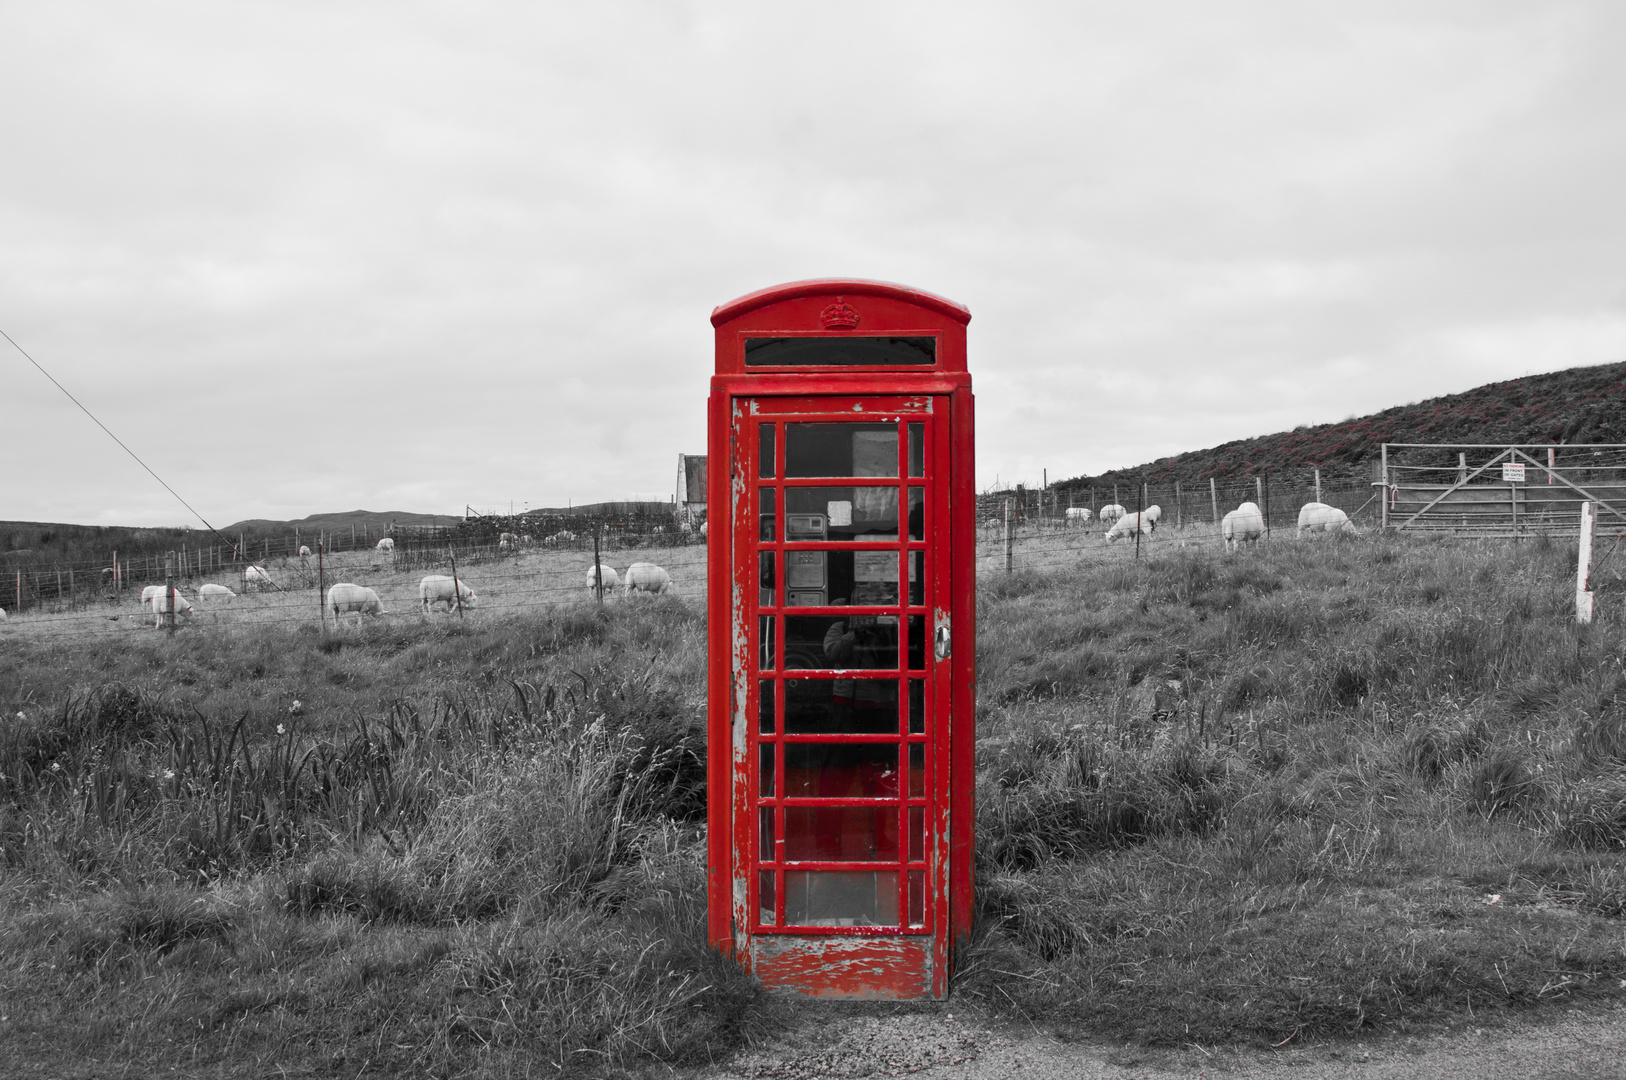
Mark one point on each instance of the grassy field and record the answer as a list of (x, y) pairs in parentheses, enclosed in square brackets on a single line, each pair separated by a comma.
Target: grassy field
[(1313, 789)]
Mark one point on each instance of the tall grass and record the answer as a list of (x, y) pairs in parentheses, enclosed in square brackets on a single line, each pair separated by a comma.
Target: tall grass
[(1272, 796)]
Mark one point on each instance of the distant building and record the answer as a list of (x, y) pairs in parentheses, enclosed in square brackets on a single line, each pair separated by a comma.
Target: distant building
[(691, 487)]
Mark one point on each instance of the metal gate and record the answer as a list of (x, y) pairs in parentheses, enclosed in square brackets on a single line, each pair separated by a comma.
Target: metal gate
[(1490, 489)]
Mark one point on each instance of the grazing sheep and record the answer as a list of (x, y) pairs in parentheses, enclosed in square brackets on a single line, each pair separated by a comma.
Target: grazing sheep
[(1110, 513), (611, 579), (438, 589), (646, 577), (702, 529), (345, 597), (385, 544), (1078, 515), (304, 552), (160, 603), (1125, 526), (564, 536), (526, 539), (1319, 517), (3, 615), (1244, 525), (255, 577), (212, 591)]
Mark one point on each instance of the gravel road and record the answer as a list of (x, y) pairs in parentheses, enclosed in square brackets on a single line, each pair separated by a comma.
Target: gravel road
[(942, 1042)]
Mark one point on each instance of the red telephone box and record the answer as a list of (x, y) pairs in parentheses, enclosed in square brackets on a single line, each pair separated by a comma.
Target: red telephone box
[(841, 577)]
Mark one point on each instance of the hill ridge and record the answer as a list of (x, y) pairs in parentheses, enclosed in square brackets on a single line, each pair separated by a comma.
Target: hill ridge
[(1577, 405)]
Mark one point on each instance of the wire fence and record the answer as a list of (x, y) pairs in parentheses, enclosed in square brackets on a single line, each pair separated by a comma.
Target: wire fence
[(517, 578), (1278, 495)]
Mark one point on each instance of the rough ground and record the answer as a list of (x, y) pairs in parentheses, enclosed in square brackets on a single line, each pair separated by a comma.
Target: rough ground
[(931, 1042)]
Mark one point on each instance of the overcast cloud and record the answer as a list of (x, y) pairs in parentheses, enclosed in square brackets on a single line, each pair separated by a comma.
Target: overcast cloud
[(316, 257)]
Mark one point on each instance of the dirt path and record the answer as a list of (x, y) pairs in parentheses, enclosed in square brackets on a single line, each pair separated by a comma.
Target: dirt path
[(932, 1043)]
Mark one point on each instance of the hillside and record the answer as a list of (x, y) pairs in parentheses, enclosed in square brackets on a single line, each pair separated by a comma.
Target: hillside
[(1578, 405), (374, 521)]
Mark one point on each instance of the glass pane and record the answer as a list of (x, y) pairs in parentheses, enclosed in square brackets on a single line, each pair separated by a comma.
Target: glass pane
[(841, 706), (841, 450), (868, 514), (841, 770), (917, 706), (841, 641), (917, 770), (917, 513), (765, 452), (917, 833), (765, 897), (917, 642), (841, 897), (917, 449), (917, 578), (765, 777), (765, 578), (765, 705), (841, 833), (765, 642), (917, 898), (840, 351), (769, 530), (765, 829), (830, 578)]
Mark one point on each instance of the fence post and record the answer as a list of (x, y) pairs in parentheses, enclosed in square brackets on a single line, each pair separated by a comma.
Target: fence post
[(1513, 494), (1383, 502), (1318, 483), (1552, 463), (321, 588), (73, 593), (1265, 494), (1140, 511), (457, 590), (1583, 568), (1462, 467), (598, 570), (118, 586), (169, 592), (1007, 535), (1177, 507), (19, 606), (1213, 499)]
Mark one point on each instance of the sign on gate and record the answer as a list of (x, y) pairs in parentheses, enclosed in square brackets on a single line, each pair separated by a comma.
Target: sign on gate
[(1513, 473)]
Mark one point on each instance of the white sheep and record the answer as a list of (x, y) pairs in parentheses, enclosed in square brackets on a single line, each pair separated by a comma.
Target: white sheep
[(1110, 513), (646, 577), (345, 597), (1078, 515), (385, 544), (1146, 520), (255, 577), (564, 536), (212, 591), (160, 603), (3, 615), (611, 579), (1244, 525), (702, 528), (438, 589), (304, 552), (1319, 517)]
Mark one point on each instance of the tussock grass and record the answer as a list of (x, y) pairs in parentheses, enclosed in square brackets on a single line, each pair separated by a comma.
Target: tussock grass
[(1305, 791)]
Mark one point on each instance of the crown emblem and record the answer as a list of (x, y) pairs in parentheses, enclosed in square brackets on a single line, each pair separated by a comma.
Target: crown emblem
[(839, 316)]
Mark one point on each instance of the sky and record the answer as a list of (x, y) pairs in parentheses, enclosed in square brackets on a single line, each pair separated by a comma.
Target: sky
[(314, 257)]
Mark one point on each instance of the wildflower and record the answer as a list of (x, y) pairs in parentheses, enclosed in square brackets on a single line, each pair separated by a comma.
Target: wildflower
[(169, 774), (56, 766), (281, 730)]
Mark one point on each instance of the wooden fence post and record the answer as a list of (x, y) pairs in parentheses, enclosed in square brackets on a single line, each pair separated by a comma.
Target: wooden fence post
[(321, 588), (169, 592), (457, 590), (1007, 536), (1318, 483), (1213, 499), (1265, 489), (1583, 568), (598, 570), (1140, 519), (1177, 506)]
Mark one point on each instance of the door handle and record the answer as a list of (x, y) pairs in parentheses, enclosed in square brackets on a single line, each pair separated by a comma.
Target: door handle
[(942, 645)]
